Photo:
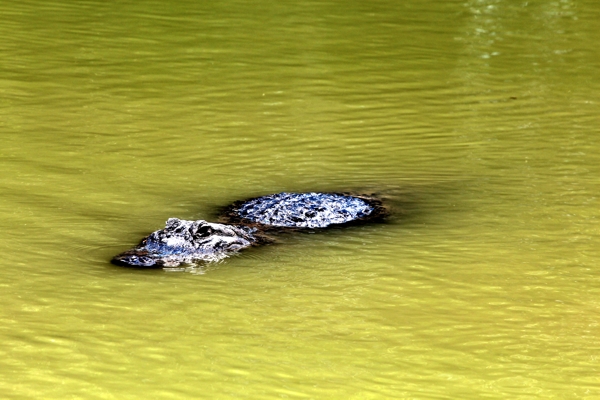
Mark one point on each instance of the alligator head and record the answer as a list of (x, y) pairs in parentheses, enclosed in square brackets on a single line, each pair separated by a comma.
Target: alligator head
[(185, 242)]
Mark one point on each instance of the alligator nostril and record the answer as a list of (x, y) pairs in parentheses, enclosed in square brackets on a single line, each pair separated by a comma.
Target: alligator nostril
[(134, 260)]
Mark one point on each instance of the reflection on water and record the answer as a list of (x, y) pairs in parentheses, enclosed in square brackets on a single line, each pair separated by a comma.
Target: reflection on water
[(476, 121)]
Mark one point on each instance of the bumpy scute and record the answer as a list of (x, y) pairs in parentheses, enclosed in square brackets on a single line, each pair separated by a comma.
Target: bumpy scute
[(305, 210)]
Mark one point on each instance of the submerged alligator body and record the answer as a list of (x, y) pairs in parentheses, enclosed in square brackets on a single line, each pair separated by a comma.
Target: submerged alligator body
[(188, 242), (304, 210)]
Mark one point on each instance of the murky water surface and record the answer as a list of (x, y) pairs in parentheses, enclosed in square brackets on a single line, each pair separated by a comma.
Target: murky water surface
[(476, 120)]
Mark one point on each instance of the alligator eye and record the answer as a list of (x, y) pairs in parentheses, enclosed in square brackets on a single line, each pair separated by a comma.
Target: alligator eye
[(204, 231)]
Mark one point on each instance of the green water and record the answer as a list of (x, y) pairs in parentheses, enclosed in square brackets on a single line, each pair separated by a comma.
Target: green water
[(476, 120)]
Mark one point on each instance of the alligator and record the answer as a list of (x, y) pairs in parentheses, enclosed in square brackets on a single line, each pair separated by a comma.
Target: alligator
[(245, 225)]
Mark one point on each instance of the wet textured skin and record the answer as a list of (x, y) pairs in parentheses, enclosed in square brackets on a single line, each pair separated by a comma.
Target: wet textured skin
[(305, 210), (188, 242)]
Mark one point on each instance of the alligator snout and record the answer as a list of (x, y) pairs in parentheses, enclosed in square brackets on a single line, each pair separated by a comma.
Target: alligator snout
[(130, 259)]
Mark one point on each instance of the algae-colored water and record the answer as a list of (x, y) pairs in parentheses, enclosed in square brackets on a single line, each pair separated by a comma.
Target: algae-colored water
[(476, 120)]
